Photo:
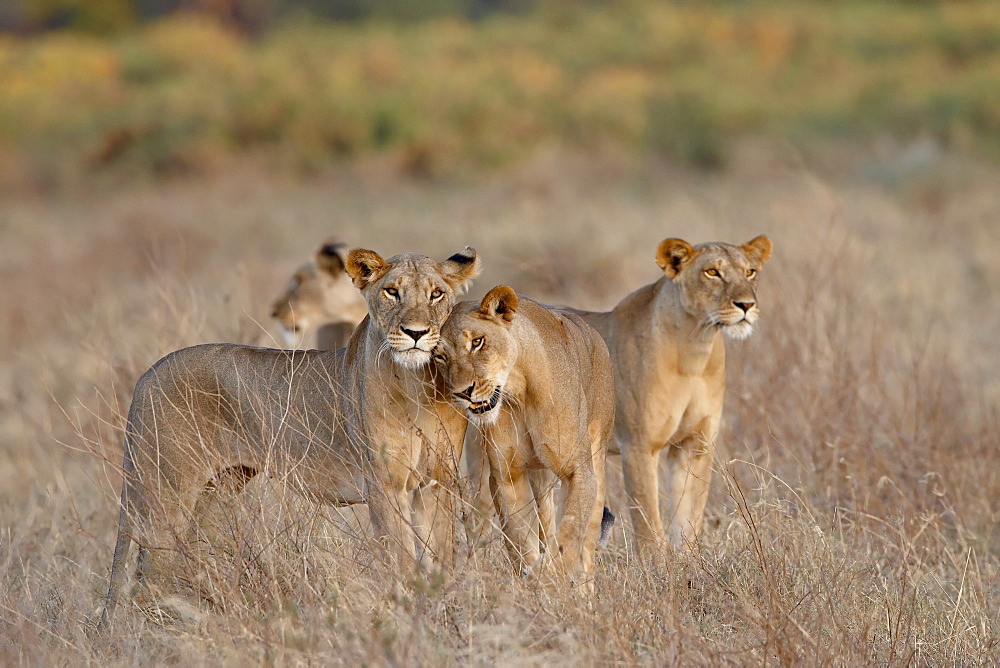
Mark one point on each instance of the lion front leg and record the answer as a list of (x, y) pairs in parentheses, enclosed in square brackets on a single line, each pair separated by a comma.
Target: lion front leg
[(543, 487), (434, 508), (639, 466), (515, 504), (688, 478), (390, 510)]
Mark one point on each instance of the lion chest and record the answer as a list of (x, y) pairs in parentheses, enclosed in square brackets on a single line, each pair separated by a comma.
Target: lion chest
[(671, 410)]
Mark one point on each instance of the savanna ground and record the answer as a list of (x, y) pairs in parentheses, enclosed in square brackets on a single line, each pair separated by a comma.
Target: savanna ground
[(854, 504)]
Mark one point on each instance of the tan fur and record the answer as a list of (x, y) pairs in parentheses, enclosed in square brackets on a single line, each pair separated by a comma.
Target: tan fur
[(369, 423), (538, 384), (320, 297), (670, 372)]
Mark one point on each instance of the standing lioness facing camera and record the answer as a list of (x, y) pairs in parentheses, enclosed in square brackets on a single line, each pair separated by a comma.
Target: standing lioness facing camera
[(368, 423), (538, 385), (670, 373)]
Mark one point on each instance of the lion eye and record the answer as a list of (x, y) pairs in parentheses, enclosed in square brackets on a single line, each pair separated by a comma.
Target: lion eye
[(477, 342), (751, 273), (711, 272), (392, 292), (439, 358), (437, 294)]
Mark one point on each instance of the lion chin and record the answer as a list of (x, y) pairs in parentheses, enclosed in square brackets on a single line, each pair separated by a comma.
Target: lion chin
[(411, 358), (738, 331)]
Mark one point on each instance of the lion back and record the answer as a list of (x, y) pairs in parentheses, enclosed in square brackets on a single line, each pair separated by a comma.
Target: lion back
[(592, 361)]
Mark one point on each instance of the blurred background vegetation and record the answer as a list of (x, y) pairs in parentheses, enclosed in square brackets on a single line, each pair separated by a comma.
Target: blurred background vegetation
[(447, 87)]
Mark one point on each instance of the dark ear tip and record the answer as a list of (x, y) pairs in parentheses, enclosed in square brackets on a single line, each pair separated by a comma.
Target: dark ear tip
[(465, 256), (331, 249)]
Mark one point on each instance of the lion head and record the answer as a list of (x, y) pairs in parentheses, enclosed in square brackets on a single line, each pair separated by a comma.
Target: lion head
[(717, 281), (320, 292), (477, 352), (410, 296)]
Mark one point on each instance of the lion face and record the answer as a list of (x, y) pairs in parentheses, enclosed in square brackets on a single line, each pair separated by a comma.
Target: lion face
[(476, 353), (717, 281), (319, 292), (410, 296)]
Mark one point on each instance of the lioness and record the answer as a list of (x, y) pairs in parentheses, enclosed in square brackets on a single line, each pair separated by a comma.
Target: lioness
[(670, 373), (348, 426), (320, 296), (538, 385)]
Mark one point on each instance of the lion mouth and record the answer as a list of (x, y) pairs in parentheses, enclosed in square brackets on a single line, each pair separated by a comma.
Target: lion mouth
[(480, 407)]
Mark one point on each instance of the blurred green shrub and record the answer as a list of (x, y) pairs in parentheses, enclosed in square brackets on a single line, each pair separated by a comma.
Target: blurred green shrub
[(448, 95)]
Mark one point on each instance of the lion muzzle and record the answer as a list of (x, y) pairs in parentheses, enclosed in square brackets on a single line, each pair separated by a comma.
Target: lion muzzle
[(479, 407)]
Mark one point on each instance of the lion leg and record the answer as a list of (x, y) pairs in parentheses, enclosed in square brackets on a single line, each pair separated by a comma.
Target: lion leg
[(582, 492), (599, 454), (518, 517), (390, 510), (434, 510), (543, 489), (690, 472), (641, 482), (480, 491)]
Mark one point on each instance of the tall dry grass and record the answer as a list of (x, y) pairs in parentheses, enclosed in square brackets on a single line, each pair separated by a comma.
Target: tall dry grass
[(853, 509)]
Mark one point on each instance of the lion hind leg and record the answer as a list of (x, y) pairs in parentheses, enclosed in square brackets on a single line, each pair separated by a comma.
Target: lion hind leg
[(595, 529), (581, 517)]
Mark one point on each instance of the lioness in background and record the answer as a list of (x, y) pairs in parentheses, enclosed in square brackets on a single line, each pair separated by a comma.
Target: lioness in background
[(669, 362), (369, 423), (320, 296), (538, 384)]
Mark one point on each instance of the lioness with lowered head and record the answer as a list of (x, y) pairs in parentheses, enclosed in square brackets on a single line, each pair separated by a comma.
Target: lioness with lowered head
[(667, 349), (320, 296), (348, 426), (538, 385)]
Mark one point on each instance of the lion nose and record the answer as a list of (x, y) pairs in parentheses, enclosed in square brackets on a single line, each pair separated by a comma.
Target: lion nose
[(745, 305), (466, 393), (415, 334)]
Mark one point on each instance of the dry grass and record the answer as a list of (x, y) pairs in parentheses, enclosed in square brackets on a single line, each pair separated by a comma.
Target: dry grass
[(853, 512)]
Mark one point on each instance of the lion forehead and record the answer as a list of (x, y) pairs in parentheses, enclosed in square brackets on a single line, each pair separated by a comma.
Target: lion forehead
[(466, 322), (723, 254), (415, 272)]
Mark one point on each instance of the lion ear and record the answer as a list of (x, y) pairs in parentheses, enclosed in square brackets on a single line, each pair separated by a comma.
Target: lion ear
[(757, 249), (673, 255), (500, 303), (461, 268), (365, 266), (330, 258), (282, 302)]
